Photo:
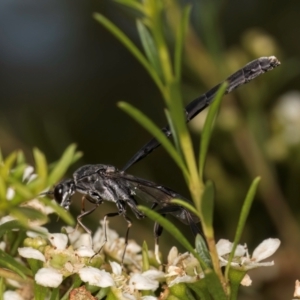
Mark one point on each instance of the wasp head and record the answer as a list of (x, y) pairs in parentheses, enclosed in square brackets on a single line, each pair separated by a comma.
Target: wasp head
[(63, 193)]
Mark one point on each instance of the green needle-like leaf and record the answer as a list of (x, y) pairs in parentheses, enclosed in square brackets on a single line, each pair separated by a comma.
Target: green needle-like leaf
[(214, 286), (132, 3), (187, 205), (242, 220), (62, 165), (8, 165), (40, 166), (181, 291), (202, 250), (149, 47), (23, 214), (2, 191), (11, 225), (61, 212), (207, 207), (145, 256), (180, 41), (235, 278), (10, 263)]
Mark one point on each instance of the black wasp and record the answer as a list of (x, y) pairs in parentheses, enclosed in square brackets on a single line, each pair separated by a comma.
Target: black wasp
[(100, 182)]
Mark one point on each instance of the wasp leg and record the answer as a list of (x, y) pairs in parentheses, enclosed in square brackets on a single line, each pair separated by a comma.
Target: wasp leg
[(133, 205), (121, 212), (158, 229), (84, 213)]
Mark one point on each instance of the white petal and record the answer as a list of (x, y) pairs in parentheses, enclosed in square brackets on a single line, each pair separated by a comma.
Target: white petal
[(27, 172), (96, 277), (48, 277), (2, 245), (297, 289), (10, 193), (140, 282), (29, 252), (84, 239), (31, 178), (265, 249), (223, 247), (173, 271), (14, 283), (254, 265), (133, 247), (154, 274), (125, 296), (58, 240), (172, 255), (149, 298), (72, 233), (116, 268), (246, 281), (185, 278), (12, 295), (85, 251)]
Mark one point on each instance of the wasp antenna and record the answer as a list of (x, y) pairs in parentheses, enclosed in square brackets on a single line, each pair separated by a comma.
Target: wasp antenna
[(46, 193)]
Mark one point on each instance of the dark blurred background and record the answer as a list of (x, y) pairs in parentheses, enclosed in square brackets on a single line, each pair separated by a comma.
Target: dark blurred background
[(62, 74)]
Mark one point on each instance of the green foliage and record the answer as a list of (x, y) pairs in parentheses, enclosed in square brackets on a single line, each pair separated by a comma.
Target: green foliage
[(20, 183)]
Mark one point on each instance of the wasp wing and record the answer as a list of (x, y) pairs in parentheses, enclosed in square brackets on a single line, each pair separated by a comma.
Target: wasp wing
[(157, 194)]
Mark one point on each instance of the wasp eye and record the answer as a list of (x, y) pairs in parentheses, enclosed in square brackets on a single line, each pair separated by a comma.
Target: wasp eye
[(58, 193), (63, 192)]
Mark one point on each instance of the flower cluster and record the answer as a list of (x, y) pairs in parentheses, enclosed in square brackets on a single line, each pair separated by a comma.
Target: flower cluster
[(73, 252), (76, 253)]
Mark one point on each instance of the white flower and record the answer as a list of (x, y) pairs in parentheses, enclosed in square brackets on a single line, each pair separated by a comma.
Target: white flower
[(48, 277), (29, 252), (84, 239), (72, 233), (96, 277), (58, 240), (12, 295), (297, 289), (242, 259), (116, 268), (182, 268), (145, 281), (85, 251)]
